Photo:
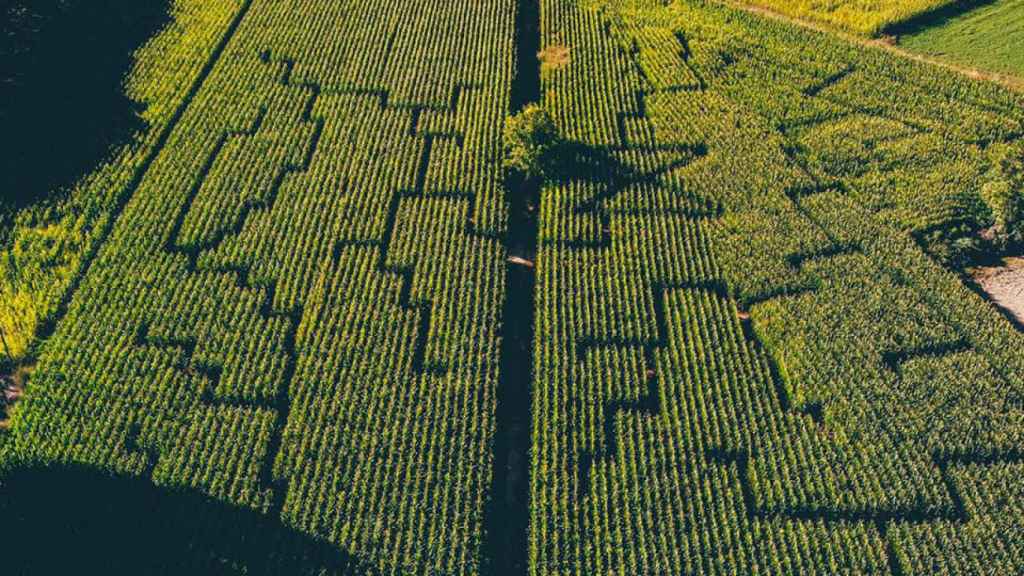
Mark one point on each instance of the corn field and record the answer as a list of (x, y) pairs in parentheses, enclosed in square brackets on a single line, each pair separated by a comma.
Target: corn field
[(748, 354)]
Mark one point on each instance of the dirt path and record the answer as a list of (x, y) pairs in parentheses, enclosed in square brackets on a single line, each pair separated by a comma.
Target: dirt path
[(12, 388), (1011, 82), (1004, 285)]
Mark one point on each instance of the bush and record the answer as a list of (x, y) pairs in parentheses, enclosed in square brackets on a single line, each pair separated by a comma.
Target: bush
[(1004, 194), (530, 139)]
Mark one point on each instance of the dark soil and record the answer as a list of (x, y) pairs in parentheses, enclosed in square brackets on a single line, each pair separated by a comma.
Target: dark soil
[(507, 515)]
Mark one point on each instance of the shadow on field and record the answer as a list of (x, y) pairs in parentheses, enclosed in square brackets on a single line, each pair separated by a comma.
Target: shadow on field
[(62, 101), (935, 17), (70, 520), (583, 162)]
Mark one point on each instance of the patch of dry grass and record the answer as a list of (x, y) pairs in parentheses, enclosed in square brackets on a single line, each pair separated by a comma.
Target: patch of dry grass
[(553, 57)]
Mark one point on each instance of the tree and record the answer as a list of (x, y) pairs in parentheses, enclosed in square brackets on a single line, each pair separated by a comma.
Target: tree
[(531, 140)]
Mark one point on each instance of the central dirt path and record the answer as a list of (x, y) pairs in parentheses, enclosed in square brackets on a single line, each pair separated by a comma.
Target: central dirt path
[(508, 516)]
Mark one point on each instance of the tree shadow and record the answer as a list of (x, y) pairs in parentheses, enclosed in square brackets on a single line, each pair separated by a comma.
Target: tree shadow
[(63, 106), (74, 520), (613, 171), (937, 16), (577, 161)]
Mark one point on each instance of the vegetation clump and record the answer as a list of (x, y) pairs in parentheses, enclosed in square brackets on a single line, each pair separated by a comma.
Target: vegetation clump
[(531, 141), (1004, 195), (991, 218), (553, 58)]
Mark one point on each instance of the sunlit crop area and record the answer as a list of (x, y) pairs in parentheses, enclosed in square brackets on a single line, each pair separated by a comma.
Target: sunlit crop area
[(869, 17), (567, 287)]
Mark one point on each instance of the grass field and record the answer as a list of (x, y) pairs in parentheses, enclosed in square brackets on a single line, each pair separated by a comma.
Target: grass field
[(988, 37), (321, 330)]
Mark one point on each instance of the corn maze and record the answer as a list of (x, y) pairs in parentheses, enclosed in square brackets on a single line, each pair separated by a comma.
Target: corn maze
[(744, 351), (746, 361), (297, 309)]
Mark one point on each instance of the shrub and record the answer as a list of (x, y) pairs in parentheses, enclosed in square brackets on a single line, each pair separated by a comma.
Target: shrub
[(1004, 194)]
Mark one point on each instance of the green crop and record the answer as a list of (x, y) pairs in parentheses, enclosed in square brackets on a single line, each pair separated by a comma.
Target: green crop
[(747, 360), (749, 356), (296, 308)]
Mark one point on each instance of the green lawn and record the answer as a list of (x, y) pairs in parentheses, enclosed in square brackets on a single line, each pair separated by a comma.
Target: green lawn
[(989, 37)]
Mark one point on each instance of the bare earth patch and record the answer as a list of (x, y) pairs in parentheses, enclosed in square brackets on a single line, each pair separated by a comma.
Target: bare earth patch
[(12, 387), (553, 57), (1004, 285)]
